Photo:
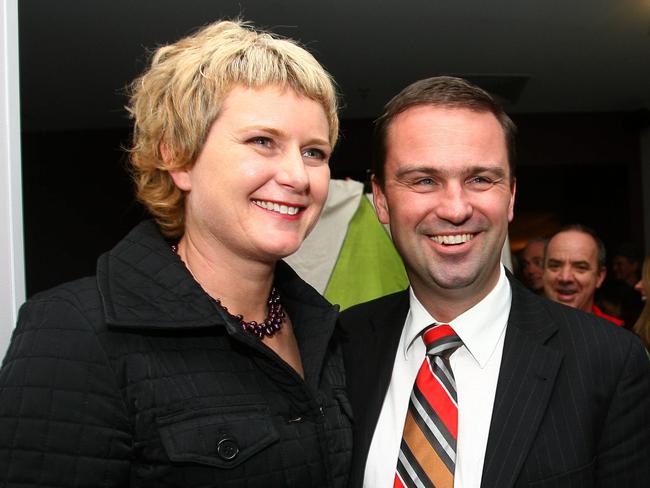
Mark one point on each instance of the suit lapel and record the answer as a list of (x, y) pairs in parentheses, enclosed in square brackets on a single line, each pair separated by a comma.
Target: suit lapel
[(526, 380), (388, 326), (374, 372)]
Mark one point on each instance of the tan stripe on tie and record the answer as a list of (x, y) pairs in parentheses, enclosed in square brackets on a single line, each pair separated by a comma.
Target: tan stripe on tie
[(430, 462)]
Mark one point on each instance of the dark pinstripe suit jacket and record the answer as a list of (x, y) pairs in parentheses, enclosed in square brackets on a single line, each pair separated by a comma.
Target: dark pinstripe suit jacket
[(572, 406)]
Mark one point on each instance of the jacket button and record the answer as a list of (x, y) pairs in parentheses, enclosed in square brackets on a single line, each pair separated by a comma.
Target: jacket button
[(227, 449)]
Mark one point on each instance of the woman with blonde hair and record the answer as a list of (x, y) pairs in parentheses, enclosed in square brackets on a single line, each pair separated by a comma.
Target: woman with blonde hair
[(642, 325), (195, 356)]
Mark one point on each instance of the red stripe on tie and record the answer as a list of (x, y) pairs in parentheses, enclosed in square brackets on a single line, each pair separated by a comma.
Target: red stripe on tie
[(437, 396), (398, 482), (439, 407), (437, 332)]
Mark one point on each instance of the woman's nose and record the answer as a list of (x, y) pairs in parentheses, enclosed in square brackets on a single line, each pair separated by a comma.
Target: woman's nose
[(292, 172)]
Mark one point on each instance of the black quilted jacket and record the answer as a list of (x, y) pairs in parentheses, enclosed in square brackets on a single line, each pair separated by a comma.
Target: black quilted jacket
[(135, 378)]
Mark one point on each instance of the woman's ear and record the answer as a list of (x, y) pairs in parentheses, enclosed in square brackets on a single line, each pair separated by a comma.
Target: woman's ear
[(181, 177)]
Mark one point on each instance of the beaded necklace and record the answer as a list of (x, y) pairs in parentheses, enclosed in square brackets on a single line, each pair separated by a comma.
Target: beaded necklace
[(271, 324)]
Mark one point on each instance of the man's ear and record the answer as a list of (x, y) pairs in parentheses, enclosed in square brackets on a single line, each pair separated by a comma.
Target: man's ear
[(181, 177), (381, 206), (602, 273), (511, 205)]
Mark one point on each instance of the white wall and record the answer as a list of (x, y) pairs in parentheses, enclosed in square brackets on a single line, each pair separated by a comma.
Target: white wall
[(12, 280)]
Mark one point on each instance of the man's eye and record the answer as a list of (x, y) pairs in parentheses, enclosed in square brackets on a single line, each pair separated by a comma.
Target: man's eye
[(479, 180), (425, 181)]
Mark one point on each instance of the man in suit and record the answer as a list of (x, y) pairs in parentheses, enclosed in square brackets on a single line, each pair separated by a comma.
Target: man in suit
[(539, 394)]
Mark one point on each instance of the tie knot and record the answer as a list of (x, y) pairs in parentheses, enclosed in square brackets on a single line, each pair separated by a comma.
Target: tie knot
[(440, 339)]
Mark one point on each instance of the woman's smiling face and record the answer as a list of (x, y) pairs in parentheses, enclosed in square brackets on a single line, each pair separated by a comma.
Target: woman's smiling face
[(261, 179)]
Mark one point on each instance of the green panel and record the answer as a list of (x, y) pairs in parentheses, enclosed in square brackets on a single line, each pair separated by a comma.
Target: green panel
[(368, 265)]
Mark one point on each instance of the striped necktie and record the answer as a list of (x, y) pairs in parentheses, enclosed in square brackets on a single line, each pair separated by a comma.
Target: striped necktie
[(427, 455)]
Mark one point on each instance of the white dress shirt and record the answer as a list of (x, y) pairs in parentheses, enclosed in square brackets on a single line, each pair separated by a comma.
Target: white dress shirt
[(476, 370)]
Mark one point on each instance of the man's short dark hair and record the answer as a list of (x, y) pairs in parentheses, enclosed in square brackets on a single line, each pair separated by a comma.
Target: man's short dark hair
[(602, 253), (441, 91)]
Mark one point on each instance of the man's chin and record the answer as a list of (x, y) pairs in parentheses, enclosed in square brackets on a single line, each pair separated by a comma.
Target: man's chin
[(569, 301), (454, 281)]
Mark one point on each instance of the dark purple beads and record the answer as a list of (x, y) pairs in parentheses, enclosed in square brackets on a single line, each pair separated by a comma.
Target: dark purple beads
[(272, 323)]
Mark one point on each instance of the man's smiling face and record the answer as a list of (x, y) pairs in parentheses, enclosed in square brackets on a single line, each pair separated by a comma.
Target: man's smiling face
[(448, 197), (571, 269)]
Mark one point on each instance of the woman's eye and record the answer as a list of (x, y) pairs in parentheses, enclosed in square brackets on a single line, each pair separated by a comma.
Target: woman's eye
[(314, 153), (261, 141)]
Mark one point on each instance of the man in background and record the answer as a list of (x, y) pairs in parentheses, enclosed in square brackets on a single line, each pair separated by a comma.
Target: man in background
[(532, 265), (574, 268), (626, 264)]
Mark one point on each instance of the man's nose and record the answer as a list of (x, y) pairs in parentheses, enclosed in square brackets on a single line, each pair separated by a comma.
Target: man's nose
[(454, 205), (566, 274)]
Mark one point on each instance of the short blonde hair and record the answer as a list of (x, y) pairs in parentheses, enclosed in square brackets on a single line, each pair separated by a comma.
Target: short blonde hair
[(175, 102)]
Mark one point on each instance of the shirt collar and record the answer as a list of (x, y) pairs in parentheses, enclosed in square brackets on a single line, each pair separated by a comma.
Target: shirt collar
[(479, 327)]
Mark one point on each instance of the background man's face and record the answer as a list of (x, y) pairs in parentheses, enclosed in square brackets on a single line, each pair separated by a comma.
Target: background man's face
[(448, 197), (624, 269), (571, 270), (532, 264)]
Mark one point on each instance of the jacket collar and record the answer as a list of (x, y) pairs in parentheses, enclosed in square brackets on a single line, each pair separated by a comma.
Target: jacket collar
[(143, 284)]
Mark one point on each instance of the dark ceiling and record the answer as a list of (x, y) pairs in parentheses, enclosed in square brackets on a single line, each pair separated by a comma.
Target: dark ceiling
[(540, 55)]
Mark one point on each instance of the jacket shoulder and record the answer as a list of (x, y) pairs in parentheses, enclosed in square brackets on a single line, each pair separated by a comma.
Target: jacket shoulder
[(60, 323), (378, 306), (384, 316), (590, 336), (80, 297), (566, 316)]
